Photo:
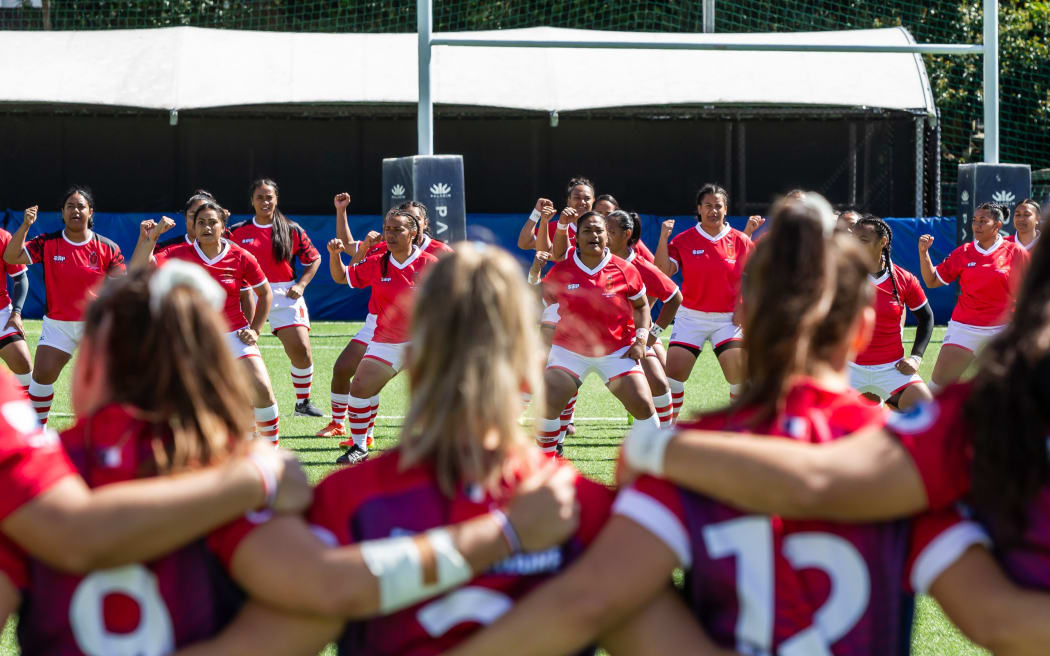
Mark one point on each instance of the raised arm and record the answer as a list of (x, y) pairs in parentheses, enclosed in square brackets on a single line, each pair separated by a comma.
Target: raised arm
[(15, 253), (561, 234), (528, 233), (149, 232), (342, 223), (76, 529), (864, 477), (929, 274), (661, 258), (335, 261)]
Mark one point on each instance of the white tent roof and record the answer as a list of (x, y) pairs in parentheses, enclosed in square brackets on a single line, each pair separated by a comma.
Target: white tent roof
[(193, 68)]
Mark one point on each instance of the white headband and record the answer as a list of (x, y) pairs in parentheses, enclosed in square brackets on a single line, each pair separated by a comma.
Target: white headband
[(184, 274)]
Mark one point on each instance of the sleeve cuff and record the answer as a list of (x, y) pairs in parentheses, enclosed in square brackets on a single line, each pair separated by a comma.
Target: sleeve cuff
[(672, 294), (924, 303), (654, 517), (640, 294), (943, 551), (937, 272)]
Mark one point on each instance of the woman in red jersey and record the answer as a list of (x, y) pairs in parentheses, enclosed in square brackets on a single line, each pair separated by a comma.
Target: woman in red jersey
[(541, 235), (235, 269), (624, 230), (603, 327), (276, 242), (179, 411), (461, 450), (711, 258), (1026, 224), (929, 458), (880, 371), (392, 276), (75, 260), (13, 348), (989, 270), (759, 584)]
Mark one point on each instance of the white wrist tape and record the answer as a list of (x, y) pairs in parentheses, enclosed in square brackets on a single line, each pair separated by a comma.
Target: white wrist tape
[(644, 447), (562, 227), (534, 216), (656, 330), (397, 564), (641, 335)]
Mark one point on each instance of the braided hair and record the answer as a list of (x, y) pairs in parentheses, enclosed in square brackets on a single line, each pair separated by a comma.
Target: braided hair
[(384, 262), (627, 221), (882, 229), (407, 206)]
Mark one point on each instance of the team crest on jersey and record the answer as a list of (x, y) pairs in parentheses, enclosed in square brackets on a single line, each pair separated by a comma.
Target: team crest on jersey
[(93, 260), (914, 420)]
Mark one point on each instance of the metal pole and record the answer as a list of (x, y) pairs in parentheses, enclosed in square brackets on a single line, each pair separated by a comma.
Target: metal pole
[(991, 81), (920, 173), (425, 111), (709, 16), (923, 48)]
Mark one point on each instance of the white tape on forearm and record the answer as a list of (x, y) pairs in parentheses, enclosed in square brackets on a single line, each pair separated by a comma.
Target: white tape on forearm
[(534, 216), (644, 447), (397, 565)]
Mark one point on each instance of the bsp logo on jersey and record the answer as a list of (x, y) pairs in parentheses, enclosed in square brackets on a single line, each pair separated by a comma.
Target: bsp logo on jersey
[(247, 241), (573, 285), (970, 264), (59, 258), (698, 251), (384, 280)]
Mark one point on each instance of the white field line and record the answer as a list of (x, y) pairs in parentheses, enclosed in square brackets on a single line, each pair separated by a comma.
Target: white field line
[(398, 417)]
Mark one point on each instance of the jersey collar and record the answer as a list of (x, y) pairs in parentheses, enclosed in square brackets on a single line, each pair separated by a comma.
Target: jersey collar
[(583, 267), (630, 256), (997, 244), (222, 252), (426, 243), (259, 225), (703, 233), (90, 234), (416, 250), (1031, 244), (882, 277)]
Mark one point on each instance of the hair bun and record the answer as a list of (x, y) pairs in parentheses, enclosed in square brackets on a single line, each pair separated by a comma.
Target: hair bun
[(184, 274)]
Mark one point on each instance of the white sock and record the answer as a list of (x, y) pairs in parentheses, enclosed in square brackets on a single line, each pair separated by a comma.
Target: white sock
[(24, 380), (339, 402), (267, 422), (41, 396), (547, 432), (677, 388), (734, 390), (358, 412), (651, 420), (663, 409), (301, 381)]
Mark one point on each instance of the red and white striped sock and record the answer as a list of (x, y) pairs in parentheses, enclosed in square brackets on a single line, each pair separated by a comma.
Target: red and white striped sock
[(566, 416), (301, 381), (41, 396), (547, 432), (267, 422), (358, 415), (677, 398), (24, 381), (663, 409), (373, 406), (339, 402)]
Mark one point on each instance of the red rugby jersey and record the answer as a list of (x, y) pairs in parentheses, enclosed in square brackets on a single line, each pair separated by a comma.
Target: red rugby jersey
[(711, 267), (886, 344), (31, 459), (11, 269), (757, 582), (595, 305), (435, 247), (392, 290), (657, 284), (1030, 246), (233, 268), (988, 280), (258, 240), (378, 499), (73, 271), (166, 245), (141, 608)]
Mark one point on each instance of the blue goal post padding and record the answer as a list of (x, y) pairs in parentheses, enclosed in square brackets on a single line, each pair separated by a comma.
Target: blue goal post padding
[(329, 301)]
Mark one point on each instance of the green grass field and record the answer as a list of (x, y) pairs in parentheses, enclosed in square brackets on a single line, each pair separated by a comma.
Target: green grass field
[(601, 423)]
